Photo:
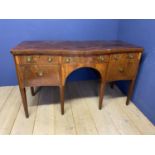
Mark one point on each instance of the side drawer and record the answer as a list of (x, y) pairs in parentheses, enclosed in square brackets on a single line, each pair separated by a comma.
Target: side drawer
[(122, 66), (39, 59), (41, 75)]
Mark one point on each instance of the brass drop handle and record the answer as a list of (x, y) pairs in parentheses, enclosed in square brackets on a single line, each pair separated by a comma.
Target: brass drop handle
[(29, 58), (40, 73), (116, 57), (50, 59), (121, 70), (101, 58), (130, 56), (67, 60)]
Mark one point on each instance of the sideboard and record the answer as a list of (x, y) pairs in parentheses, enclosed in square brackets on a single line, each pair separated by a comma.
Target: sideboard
[(49, 63)]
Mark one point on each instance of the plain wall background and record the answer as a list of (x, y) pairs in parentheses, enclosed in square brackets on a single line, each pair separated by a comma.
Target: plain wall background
[(142, 32), (13, 32)]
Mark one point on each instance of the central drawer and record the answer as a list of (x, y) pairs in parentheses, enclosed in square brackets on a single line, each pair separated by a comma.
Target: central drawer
[(84, 59), (41, 75)]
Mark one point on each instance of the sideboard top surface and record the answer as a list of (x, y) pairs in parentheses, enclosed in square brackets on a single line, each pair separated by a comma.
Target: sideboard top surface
[(74, 47)]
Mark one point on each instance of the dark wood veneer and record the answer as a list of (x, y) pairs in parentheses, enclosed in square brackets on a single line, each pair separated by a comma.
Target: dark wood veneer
[(49, 63)]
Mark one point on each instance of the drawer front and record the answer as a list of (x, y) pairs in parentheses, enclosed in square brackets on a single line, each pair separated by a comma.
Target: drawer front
[(122, 66), (89, 59), (41, 75), (127, 56), (39, 59)]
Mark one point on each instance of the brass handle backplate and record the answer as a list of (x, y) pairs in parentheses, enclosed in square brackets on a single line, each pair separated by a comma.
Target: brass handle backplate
[(40, 73), (50, 59), (29, 58), (67, 60), (121, 70), (116, 57), (130, 56), (101, 58)]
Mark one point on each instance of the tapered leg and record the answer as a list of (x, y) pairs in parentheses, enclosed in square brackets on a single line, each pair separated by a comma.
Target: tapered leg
[(112, 85), (23, 94), (32, 91), (130, 91), (101, 93), (62, 99)]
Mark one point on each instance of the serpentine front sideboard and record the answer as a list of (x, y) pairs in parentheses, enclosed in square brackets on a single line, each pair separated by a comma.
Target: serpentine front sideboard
[(48, 63)]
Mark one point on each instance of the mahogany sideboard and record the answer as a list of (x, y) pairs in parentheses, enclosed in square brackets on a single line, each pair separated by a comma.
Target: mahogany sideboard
[(49, 63)]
